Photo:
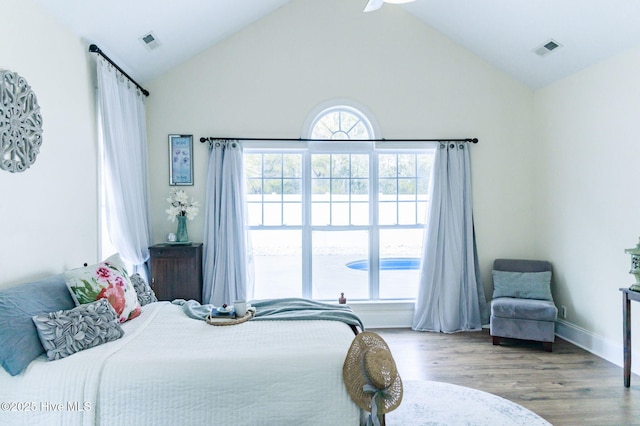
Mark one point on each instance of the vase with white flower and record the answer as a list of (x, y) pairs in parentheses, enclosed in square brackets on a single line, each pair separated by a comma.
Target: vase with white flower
[(181, 208)]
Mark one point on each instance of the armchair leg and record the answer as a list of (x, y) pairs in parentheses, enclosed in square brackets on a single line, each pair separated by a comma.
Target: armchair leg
[(496, 340), (548, 346)]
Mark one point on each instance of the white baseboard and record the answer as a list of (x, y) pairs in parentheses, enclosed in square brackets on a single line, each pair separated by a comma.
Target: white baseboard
[(399, 314), (597, 345)]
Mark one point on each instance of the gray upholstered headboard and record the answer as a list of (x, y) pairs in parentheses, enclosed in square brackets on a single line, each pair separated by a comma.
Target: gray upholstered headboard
[(521, 265)]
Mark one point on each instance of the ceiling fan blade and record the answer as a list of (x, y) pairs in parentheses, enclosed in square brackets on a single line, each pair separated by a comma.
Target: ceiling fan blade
[(373, 5)]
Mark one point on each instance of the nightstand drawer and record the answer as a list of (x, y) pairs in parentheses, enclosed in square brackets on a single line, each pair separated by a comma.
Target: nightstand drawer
[(165, 250)]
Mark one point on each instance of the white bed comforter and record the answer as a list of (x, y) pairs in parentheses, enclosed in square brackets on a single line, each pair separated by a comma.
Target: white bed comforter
[(169, 369)]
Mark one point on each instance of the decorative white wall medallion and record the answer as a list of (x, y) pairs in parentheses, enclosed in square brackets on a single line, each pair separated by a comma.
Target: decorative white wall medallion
[(20, 123)]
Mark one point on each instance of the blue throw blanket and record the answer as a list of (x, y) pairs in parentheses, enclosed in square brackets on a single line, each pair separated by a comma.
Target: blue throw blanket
[(282, 309)]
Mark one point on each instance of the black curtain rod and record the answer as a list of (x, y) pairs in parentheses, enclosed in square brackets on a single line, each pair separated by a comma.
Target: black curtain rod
[(95, 49), (471, 140)]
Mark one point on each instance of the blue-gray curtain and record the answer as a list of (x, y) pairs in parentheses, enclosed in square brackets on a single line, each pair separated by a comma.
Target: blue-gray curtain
[(228, 269), (450, 295)]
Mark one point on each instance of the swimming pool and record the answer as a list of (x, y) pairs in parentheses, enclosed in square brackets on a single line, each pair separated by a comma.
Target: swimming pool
[(387, 264)]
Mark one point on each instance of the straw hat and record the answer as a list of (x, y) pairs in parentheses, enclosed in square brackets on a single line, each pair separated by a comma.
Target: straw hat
[(369, 370)]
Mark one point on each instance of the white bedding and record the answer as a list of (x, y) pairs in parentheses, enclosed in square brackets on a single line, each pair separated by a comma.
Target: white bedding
[(169, 369)]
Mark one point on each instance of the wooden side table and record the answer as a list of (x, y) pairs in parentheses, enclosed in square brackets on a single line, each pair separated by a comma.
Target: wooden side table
[(627, 297), (176, 271)]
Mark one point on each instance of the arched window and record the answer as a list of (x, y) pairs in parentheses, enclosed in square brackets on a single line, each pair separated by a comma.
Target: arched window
[(341, 122), (341, 216)]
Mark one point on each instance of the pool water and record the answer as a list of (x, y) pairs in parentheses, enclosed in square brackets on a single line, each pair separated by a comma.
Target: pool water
[(387, 264)]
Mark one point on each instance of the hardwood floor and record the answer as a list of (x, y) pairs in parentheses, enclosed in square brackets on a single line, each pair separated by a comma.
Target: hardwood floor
[(568, 386)]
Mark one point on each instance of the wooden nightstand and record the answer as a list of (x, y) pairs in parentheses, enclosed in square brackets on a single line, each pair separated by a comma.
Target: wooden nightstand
[(176, 271)]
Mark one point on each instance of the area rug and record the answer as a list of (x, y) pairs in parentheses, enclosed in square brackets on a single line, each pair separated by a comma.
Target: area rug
[(437, 403)]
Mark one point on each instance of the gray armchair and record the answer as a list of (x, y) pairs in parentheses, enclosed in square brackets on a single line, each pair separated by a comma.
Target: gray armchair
[(522, 306)]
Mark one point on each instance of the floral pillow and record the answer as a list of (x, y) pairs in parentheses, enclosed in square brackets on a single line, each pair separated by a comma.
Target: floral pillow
[(105, 280)]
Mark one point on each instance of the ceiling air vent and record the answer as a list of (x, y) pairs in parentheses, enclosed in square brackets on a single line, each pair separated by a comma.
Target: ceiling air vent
[(150, 41), (547, 47)]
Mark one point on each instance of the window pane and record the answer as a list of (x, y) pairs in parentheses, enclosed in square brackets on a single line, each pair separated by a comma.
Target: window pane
[(272, 214), (360, 214), (331, 121), (403, 181), (360, 189), (292, 165), (320, 214), (423, 189), (406, 165), (320, 166), (254, 210), (422, 213), (320, 189), (272, 165), (273, 189), (387, 165), (407, 186), (387, 213), (348, 121), (267, 189), (360, 131), (322, 130), (253, 165), (360, 166), (339, 214), (332, 251), (400, 252), (254, 186), (340, 189), (407, 213), (292, 214), (292, 188), (388, 187), (425, 164), (340, 166), (277, 256)]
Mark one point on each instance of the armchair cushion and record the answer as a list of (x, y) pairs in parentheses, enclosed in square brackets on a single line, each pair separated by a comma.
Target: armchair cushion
[(522, 285), (527, 309)]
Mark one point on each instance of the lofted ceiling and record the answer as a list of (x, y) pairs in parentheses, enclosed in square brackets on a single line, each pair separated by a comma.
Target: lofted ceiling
[(504, 33)]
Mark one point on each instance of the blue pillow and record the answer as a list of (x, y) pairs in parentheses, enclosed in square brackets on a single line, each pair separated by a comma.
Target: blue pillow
[(19, 341), (522, 285)]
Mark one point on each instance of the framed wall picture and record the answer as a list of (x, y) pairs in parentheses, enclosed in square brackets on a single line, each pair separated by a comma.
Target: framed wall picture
[(180, 159)]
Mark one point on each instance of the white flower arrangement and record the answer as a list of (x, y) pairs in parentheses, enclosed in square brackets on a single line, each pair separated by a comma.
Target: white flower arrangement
[(179, 205)]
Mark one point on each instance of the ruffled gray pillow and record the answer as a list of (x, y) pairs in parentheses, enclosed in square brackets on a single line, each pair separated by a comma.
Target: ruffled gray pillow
[(64, 333), (145, 293)]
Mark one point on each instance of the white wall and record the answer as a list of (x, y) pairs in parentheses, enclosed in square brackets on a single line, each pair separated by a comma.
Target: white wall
[(565, 194), (48, 214), (264, 81), (588, 209)]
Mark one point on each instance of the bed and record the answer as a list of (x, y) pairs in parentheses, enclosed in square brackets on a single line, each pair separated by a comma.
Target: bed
[(170, 369)]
